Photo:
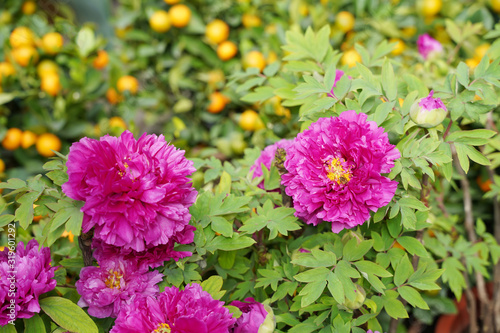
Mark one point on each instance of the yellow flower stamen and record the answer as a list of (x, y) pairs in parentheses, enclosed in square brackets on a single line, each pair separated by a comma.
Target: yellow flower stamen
[(337, 172), (162, 328), (113, 280)]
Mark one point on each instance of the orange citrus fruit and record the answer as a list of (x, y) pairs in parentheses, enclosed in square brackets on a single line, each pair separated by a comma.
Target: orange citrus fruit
[(472, 62), (117, 122), (271, 57), (2, 166), (399, 48), (409, 32), (226, 50), (250, 121), (28, 7), (113, 96), (217, 102), (6, 69), (481, 50), (254, 59), (46, 143), (350, 58), (23, 55), (101, 60), (52, 42), (251, 20), (431, 7), (172, 2), (495, 5), (22, 36), (28, 139), (344, 21), (128, 83), (484, 184), (180, 15), (398, 246), (12, 139), (217, 31), (68, 234), (160, 21), (51, 84), (46, 67)]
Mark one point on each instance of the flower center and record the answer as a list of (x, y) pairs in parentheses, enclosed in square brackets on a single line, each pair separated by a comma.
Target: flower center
[(162, 328), (113, 280), (338, 171)]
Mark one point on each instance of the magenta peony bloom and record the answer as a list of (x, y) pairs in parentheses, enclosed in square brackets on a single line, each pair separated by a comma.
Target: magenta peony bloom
[(428, 112), (107, 288), (334, 171), (370, 331), (253, 317), (152, 257), (426, 45), (267, 157), (33, 277), (191, 310), (338, 75), (137, 194)]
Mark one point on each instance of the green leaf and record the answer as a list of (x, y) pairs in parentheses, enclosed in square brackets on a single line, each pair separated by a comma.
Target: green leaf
[(389, 82), (463, 74), (366, 266), (395, 308), (34, 325), (311, 292), (226, 259), (24, 214), (213, 286), (236, 312), (224, 184), (236, 242), (8, 329), (354, 251), (462, 156), (335, 287), (68, 315), (279, 219), (14, 184), (6, 219), (222, 226), (413, 246), (476, 134), (453, 275), (403, 271), (313, 275), (413, 297), (316, 258), (85, 40), (259, 94), (412, 202), (269, 277)]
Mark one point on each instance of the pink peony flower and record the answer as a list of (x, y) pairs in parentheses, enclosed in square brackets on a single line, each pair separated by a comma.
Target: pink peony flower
[(137, 194), (191, 310), (334, 171), (33, 276), (426, 45), (107, 288), (253, 317), (267, 157)]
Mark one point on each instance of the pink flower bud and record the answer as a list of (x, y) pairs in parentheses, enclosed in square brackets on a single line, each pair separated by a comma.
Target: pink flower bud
[(428, 112)]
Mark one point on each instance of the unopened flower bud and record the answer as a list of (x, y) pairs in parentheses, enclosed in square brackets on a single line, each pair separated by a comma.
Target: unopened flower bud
[(359, 300), (428, 112)]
